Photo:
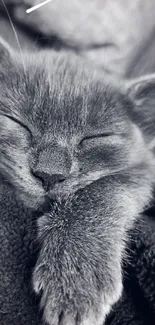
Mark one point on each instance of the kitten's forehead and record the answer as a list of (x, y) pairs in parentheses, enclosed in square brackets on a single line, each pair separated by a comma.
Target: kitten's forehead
[(75, 93), (60, 94)]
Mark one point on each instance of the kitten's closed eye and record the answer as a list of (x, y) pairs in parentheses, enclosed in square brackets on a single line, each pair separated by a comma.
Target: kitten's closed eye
[(93, 140), (19, 122), (14, 132), (102, 141)]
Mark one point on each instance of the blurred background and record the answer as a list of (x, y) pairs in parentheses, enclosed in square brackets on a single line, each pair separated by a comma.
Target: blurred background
[(117, 35)]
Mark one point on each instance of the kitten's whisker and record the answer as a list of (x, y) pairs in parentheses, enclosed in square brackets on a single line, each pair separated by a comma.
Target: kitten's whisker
[(37, 6), (16, 36)]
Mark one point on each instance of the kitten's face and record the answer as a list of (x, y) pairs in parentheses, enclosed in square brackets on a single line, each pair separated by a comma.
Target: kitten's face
[(63, 128)]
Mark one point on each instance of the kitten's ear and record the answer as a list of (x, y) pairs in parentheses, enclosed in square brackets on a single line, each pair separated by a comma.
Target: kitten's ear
[(5, 51), (142, 93)]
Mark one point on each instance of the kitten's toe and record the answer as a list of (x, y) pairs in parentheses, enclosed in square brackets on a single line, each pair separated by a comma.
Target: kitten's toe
[(97, 314), (38, 279), (61, 319)]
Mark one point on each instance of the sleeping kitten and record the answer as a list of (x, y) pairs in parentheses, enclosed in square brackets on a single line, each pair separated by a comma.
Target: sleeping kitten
[(72, 138)]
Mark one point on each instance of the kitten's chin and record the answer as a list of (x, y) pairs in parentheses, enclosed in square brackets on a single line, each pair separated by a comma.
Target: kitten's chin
[(69, 187), (61, 193)]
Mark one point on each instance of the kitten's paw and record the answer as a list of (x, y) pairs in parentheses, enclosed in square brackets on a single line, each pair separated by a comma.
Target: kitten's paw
[(78, 276), (82, 304)]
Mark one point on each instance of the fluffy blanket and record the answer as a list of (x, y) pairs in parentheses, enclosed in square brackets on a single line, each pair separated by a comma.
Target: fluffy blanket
[(137, 306)]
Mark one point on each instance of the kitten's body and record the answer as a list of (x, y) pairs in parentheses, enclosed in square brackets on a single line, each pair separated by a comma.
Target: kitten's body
[(69, 137)]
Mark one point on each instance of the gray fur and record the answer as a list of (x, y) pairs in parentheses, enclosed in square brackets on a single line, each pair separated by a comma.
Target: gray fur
[(62, 120)]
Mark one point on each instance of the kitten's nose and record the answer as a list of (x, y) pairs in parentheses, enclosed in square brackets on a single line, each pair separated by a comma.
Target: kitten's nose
[(49, 180)]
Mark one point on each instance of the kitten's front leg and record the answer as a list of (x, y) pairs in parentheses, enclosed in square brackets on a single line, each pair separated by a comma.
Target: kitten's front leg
[(78, 272)]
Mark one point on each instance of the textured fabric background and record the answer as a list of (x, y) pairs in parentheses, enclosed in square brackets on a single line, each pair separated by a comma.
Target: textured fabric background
[(110, 32)]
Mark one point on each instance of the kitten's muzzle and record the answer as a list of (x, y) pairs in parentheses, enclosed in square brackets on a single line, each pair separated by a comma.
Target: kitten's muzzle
[(52, 166)]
